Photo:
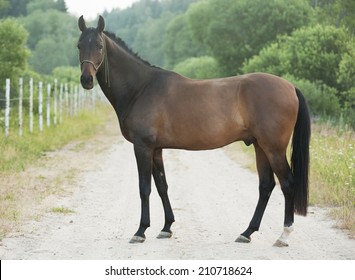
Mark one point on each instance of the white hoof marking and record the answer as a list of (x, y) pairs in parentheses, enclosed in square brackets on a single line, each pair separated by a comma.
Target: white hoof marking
[(283, 239)]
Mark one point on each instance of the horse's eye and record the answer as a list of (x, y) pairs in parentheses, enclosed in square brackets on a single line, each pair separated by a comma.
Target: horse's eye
[(100, 47), (78, 46)]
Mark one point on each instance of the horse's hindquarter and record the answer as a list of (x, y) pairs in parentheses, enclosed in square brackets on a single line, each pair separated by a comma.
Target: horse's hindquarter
[(272, 106)]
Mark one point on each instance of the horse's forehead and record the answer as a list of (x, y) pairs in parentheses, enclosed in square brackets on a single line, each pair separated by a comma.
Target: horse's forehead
[(89, 35)]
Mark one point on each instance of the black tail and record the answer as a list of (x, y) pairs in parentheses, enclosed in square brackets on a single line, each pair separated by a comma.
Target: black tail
[(300, 155)]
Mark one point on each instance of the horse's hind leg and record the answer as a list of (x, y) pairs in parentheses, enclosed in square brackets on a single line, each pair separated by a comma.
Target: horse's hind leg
[(282, 170), (266, 185), (162, 186)]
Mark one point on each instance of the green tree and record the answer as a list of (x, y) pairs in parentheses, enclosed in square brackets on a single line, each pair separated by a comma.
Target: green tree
[(143, 25), (346, 81), (320, 58), (48, 55), (346, 73), (179, 43), (313, 53), (13, 51), (65, 74), (150, 39), (237, 30), (336, 12), (4, 4), (52, 39), (322, 100), (13, 8), (204, 67), (44, 5)]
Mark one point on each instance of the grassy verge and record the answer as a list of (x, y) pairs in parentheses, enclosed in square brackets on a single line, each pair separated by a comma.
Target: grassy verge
[(332, 173), (30, 180), (18, 152), (332, 178)]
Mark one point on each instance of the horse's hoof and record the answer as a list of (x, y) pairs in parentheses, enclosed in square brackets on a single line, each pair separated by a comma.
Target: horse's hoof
[(243, 239), (137, 239), (164, 235), (280, 243)]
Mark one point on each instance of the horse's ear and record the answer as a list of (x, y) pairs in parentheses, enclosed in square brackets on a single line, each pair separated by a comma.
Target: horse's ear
[(81, 24), (101, 24)]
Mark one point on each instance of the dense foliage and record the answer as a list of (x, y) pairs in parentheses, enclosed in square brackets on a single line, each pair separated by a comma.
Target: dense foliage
[(318, 56), (13, 54), (236, 30), (51, 33)]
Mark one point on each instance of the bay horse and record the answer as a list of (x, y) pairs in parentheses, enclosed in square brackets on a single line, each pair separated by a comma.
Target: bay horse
[(159, 109)]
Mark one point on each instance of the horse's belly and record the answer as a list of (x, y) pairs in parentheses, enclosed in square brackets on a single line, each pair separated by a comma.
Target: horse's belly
[(202, 136)]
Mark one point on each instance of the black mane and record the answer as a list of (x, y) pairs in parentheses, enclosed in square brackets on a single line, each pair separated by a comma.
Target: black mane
[(123, 45)]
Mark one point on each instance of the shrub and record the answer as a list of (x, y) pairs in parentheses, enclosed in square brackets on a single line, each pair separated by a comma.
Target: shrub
[(203, 67), (321, 99)]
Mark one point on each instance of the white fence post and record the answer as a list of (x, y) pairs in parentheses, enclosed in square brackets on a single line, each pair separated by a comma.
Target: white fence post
[(7, 108), (66, 101), (55, 103), (40, 106), (93, 97), (48, 111), (75, 100), (80, 99), (20, 107), (71, 99), (61, 103), (31, 105)]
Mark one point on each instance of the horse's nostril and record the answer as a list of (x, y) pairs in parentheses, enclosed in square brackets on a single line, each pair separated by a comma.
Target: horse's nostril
[(87, 81)]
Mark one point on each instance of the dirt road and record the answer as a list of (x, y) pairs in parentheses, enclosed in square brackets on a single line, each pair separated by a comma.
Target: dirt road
[(213, 198)]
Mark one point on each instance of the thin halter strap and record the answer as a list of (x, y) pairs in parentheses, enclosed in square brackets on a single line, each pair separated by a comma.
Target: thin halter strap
[(92, 63)]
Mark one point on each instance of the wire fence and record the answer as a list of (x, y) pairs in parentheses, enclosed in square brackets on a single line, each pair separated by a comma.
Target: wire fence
[(31, 106)]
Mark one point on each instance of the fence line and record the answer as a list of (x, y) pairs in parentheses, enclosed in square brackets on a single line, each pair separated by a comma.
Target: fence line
[(66, 103)]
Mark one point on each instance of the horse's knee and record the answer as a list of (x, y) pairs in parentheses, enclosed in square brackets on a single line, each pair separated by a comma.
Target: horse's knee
[(266, 188), (144, 194), (287, 187)]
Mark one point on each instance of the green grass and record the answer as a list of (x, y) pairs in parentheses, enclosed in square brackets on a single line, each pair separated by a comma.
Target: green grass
[(332, 180), (18, 152), (62, 210)]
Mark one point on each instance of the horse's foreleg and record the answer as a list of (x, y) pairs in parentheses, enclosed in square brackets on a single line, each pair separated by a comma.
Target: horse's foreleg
[(144, 157), (162, 187), (266, 186)]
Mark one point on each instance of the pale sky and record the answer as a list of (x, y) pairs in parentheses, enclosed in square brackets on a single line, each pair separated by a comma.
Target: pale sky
[(90, 8)]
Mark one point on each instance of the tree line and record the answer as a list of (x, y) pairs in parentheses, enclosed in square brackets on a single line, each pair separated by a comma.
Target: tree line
[(310, 42)]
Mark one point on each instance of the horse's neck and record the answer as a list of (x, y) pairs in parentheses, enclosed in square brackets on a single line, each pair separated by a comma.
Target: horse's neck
[(123, 78)]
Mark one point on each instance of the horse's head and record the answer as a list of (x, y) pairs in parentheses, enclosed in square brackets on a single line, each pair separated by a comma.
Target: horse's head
[(91, 47)]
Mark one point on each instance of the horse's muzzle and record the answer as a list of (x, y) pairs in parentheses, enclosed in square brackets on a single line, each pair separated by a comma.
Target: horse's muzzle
[(87, 81)]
